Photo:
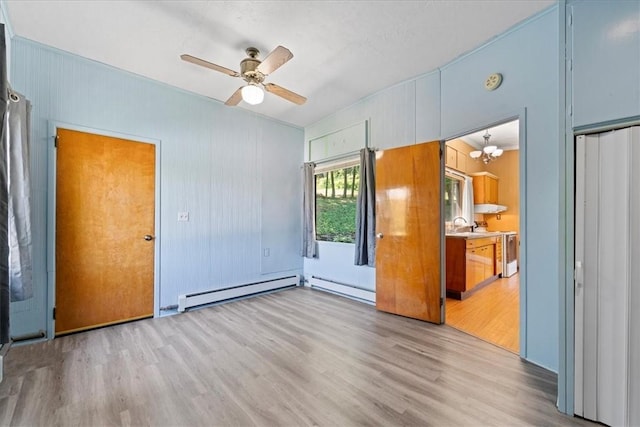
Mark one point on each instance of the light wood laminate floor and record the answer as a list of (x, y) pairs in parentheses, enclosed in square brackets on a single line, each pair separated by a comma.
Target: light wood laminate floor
[(492, 313), (297, 357)]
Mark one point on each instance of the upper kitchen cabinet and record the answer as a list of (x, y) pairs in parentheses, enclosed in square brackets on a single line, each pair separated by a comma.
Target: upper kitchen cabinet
[(485, 188), (455, 159)]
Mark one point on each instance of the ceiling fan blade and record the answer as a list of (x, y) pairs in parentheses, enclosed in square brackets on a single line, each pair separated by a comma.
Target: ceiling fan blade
[(277, 58), (208, 64), (235, 98), (285, 93)]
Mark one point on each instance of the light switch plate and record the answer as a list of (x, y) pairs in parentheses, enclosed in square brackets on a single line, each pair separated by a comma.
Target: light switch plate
[(183, 216)]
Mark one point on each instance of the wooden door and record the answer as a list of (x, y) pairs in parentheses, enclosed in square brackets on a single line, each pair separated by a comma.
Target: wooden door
[(105, 204), (408, 219)]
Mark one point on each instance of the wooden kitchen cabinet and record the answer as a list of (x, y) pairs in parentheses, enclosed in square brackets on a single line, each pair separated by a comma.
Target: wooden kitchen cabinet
[(455, 159), (470, 264), (475, 268), (485, 188)]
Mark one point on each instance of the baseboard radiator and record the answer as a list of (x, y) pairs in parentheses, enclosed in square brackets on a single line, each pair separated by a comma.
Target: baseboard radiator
[(201, 298), (343, 289)]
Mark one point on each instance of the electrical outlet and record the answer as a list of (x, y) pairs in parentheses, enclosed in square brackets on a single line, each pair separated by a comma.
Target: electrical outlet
[(183, 216), (266, 252)]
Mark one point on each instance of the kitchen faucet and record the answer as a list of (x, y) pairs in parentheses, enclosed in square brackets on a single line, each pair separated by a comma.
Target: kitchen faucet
[(465, 221), (457, 218)]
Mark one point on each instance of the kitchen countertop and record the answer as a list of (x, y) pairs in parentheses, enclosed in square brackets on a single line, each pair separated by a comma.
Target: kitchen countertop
[(475, 235)]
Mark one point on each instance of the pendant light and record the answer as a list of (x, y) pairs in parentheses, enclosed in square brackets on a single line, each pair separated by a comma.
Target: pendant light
[(488, 153)]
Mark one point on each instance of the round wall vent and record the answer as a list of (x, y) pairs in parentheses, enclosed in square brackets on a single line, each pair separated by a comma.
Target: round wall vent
[(493, 81)]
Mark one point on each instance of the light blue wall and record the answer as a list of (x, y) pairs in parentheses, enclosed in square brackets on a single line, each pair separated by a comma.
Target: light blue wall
[(7, 36), (428, 107), (602, 91), (392, 123), (606, 43), (528, 59), (226, 166), (452, 101)]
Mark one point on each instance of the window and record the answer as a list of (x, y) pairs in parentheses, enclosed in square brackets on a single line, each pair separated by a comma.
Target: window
[(452, 198), (336, 195)]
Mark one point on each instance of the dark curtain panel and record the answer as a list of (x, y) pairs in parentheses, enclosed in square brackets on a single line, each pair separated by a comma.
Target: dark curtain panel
[(309, 211), (4, 199), (366, 210)]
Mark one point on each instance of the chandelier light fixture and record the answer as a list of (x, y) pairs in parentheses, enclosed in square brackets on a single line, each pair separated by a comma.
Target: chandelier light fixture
[(252, 94), (488, 153)]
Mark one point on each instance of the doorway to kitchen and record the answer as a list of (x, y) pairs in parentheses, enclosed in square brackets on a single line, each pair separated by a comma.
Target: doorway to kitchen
[(482, 234)]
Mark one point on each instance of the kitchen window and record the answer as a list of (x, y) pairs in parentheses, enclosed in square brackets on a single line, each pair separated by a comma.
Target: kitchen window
[(336, 186), (452, 197)]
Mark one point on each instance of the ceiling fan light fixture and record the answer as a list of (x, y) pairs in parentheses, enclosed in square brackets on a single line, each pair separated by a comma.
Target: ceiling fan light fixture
[(252, 94), (475, 154), (498, 152)]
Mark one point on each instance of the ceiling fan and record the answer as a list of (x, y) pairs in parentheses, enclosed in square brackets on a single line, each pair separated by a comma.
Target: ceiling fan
[(254, 71)]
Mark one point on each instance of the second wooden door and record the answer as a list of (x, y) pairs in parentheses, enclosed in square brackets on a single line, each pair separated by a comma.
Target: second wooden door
[(409, 225)]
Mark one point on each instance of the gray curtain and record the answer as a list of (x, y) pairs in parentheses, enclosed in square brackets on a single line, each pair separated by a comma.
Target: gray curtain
[(366, 210), (4, 199), (17, 136), (309, 246)]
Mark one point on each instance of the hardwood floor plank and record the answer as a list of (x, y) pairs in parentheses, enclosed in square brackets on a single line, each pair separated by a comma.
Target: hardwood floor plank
[(492, 313), (296, 357)]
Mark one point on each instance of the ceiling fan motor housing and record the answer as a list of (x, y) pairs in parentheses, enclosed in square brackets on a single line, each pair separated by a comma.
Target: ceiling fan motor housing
[(248, 66)]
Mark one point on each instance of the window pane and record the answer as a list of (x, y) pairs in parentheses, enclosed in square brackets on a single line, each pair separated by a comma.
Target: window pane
[(336, 195), (452, 198)]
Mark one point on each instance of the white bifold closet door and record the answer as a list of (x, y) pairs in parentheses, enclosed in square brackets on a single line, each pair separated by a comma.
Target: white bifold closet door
[(607, 294)]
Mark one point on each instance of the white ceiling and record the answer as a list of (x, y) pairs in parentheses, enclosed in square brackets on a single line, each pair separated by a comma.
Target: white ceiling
[(343, 50), (505, 136)]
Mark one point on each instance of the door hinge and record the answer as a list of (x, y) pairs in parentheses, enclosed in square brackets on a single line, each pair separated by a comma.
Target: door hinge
[(441, 301), (441, 153), (55, 141), (54, 313)]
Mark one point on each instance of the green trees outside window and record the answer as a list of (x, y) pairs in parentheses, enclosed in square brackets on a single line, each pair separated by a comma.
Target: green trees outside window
[(336, 195)]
